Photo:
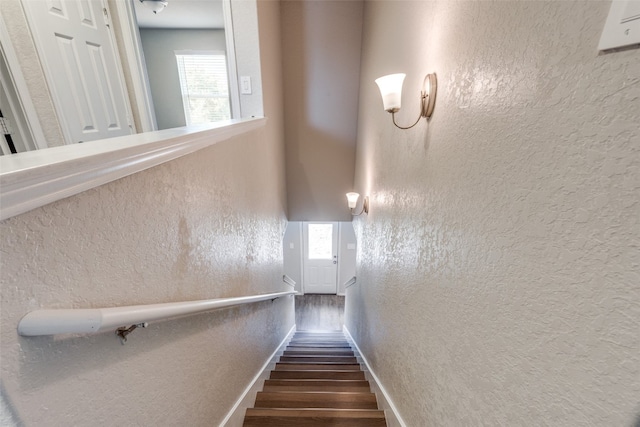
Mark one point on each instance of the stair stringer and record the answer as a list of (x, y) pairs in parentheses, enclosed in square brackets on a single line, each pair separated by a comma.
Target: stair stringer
[(235, 417), (384, 400)]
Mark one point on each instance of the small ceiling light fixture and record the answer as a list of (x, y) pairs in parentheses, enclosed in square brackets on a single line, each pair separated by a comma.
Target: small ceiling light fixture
[(391, 91), (156, 6), (352, 200)]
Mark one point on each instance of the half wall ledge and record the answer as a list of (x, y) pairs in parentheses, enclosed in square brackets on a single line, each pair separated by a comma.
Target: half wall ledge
[(36, 178)]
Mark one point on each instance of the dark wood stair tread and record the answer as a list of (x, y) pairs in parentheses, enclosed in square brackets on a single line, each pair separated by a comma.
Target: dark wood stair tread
[(317, 366), (318, 358), (337, 400), (263, 417), (314, 343), (303, 388), (317, 382), (319, 351), (314, 354), (319, 337), (319, 412), (314, 374), (316, 385)]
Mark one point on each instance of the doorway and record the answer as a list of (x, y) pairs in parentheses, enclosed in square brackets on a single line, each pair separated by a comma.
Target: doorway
[(296, 263), (320, 257)]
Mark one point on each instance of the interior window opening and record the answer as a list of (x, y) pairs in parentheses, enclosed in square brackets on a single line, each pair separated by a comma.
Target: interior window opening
[(204, 85)]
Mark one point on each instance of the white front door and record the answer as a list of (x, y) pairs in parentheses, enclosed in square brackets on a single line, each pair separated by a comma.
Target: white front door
[(320, 257), (77, 50)]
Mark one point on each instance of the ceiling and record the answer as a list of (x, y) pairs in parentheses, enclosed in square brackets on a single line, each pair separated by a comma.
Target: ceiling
[(182, 14)]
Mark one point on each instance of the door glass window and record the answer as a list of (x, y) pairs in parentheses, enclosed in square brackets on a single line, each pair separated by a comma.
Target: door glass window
[(320, 241)]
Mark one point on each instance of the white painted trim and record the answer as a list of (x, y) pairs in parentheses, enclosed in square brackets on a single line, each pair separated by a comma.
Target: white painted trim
[(36, 178), (132, 46), (235, 417), (301, 256), (339, 256), (232, 66), (384, 400)]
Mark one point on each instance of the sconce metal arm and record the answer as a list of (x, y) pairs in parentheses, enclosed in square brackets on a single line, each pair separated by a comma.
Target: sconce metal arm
[(423, 103), (365, 207), (427, 101)]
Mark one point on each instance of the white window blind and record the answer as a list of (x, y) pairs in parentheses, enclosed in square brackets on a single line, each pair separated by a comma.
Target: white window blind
[(204, 85)]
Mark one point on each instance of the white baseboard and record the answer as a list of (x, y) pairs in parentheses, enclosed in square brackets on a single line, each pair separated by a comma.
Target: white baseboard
[(384, 400), (235, 417)]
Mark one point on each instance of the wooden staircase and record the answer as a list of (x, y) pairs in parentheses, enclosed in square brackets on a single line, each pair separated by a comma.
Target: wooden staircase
[(317, 382)]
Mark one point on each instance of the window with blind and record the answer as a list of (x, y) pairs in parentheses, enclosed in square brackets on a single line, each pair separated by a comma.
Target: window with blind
[(204, 85)]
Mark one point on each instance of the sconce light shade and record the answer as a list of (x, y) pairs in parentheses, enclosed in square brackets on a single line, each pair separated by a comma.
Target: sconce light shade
[(156, 6), (391, 90), (352, 199)]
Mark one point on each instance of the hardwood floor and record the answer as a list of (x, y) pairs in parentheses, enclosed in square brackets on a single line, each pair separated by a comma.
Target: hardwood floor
[(320, 312)]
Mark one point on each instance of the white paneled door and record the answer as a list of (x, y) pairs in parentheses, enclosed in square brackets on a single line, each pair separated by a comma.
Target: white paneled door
[(77, 49), (320, 257)]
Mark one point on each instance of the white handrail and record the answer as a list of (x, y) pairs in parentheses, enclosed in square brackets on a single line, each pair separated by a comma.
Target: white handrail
[(94, 320), (350, 282), (289, 281)]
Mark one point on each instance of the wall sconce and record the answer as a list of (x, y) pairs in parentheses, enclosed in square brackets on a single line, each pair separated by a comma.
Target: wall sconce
[(352, 200), (155, 5), (391, 91)]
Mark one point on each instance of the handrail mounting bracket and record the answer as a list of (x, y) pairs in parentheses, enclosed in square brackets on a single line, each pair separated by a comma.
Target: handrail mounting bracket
[(123, 331)]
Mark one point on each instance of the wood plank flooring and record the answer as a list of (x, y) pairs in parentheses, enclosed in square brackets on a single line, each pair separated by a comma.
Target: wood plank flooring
[(317, 382), (320, 312)]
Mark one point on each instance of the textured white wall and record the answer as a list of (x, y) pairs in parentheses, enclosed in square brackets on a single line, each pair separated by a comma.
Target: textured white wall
[(206, 225), (498, 271), (347, 255), (292, 252)]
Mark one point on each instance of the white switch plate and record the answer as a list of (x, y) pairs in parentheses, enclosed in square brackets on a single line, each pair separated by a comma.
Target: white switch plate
[(290, 245), (351, 246), (623, 25), (245, 85)]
